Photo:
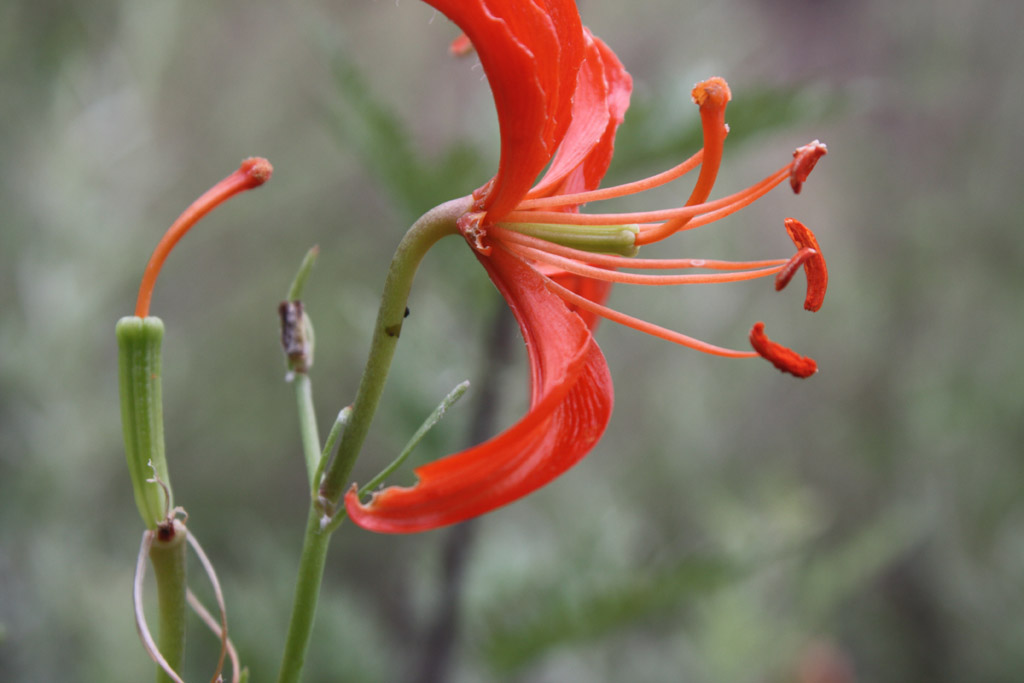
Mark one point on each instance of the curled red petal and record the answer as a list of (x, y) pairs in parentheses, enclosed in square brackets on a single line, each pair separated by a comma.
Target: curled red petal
[(781, 357), (570, 405), (530, 51), (603, 89), (814, 266)]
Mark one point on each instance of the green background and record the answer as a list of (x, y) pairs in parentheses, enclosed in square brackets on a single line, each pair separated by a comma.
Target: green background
[(734, 524)]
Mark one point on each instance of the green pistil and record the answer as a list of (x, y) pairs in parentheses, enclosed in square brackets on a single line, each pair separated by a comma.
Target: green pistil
[(601, 239), (138, 342)]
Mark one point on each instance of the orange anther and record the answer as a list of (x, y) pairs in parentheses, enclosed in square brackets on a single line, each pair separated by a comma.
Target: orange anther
[(781, 357), (804, 159), (814, 264)]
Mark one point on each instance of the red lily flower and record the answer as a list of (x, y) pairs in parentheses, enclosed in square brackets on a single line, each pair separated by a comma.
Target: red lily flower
[(560, 95)]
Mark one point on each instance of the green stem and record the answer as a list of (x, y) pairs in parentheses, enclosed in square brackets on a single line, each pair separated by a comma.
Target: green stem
[(307, 424), (307, 593), (168, 558), (424, 233)]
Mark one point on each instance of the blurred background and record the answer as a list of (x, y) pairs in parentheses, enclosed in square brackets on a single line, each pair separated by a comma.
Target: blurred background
[(734, 524)]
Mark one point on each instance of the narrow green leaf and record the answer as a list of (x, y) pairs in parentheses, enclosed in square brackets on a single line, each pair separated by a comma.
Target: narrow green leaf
[(305, 268), (428, 424)]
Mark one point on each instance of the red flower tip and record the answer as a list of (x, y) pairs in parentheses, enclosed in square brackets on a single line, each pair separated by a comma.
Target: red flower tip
[(714, 92), (813, 263), (781, 357), (804, 159), (257, 171), (461, 46)]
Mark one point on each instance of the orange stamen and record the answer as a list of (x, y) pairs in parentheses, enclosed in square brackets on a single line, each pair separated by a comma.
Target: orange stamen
[(252, 173), (623, 190), (781, 357), (612, 261), (804, 159), (642, 325), (597, 273), (741, 198), (711, 96), (814, 266)]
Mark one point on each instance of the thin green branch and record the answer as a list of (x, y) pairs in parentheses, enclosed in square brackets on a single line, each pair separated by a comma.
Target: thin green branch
[(307, 594), (325, 456), (307, 424), (430, 228)]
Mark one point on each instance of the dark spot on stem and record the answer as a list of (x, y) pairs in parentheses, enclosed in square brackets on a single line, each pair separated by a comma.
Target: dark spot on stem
[(165, 531), (393, 330)]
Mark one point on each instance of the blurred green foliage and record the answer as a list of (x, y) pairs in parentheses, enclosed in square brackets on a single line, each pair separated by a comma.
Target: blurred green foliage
[(732, 525)]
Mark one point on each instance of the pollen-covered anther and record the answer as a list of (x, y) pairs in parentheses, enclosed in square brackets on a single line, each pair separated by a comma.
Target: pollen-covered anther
[(804, 159), (778, 355), (814, 264), (713, 92)]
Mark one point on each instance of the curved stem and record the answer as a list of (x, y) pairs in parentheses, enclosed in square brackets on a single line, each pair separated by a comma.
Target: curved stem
[(424, 233), (430, 228)]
